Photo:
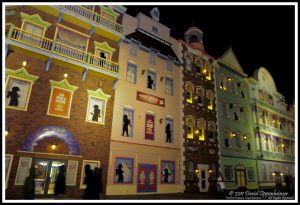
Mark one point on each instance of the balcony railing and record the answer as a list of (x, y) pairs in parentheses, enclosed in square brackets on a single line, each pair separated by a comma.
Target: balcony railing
[(60, 49), (86, 13), (278, 156), (267, 105)]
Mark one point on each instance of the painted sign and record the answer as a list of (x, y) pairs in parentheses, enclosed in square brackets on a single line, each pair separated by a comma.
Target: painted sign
[(147, 175), (60, 102), (167, 172), (123, 170), (151, 99), (149, 129)]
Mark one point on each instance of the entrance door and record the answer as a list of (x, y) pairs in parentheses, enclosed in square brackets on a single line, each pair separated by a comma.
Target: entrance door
[(147, 177), (240, 177), (278, 181), (46, 172), (203, 177)]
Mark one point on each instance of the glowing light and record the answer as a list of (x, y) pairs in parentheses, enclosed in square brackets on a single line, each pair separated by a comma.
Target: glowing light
[(210, 171), (281, 174), (24, 63), (273, 174), (196, 131), (196, 170), (6, 132), (229, 79), (233, 134), (53, 147), (282, 145), (245, 137), (66, 75)]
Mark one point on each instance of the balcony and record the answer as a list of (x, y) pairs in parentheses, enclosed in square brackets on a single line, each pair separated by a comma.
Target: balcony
[(86, 19), (277, 156), (50, 48), (277, 131)]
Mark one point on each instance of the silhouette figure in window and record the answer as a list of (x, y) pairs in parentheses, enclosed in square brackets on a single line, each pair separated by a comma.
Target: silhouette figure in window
[(96, 113), (200, 100), (150, 82), (189, 130), (226, 143), (102, 55), (13, 94), (235, 116), (126, 123), (243, 96), (248, 145), (166, 175), (168, 132), (119, 173)]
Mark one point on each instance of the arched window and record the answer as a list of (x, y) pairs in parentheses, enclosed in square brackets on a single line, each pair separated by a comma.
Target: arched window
[(201, 126), (212, 131), (227, 136), (191, 171), (209, 99), (238, 140), (200, 95), (198, 66), (189, 89), (190, 124), (206, 70), (223, 82)]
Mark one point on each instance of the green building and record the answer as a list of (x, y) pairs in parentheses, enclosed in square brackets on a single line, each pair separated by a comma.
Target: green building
[(275, 132), (235, 125)]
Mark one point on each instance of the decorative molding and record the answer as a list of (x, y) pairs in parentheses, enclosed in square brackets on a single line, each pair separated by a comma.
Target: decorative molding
[(105, 46), (63, 84), (98, 94), (21, 73), (35, 19)]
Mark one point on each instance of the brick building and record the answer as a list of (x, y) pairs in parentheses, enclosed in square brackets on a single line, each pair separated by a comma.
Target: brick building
[(200, 143), (60, 72)]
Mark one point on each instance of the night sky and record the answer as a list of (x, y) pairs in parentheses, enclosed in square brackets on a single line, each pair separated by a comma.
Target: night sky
[(259, 35)]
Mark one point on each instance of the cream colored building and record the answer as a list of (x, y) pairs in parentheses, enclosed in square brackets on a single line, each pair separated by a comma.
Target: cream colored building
[(148, 159)]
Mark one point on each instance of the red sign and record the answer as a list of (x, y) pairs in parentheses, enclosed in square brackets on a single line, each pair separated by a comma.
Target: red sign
[(142, 178), (152, 178), (151, 99), (149, 130)]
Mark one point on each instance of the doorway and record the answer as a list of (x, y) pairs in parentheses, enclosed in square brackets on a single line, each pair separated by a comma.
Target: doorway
[(203, 177), (240, 178), (278, 181), (147, 177), (46, 172)]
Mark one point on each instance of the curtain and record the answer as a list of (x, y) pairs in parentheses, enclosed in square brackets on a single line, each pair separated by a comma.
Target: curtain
[(71, 39)]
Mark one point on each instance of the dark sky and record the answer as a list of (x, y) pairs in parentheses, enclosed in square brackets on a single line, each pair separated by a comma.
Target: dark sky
[(259, 35)]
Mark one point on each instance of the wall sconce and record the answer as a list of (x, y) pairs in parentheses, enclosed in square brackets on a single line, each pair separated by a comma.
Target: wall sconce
[(100, 83), (281, 174), (282, 145), (196, 131), (245, 137), (162, 79), (143, 71), (66, 75), (161, 120), (53, 146), (273, 174), (233, 134), (24, 63), (6, 131), (229, 79), (209, 171), (197, 171)]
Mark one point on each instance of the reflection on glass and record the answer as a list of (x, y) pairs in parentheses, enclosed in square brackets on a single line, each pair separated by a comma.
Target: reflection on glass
[(41, 168), (53, 174)]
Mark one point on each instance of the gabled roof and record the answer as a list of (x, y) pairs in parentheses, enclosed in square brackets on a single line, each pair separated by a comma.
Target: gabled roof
[(230, 59)]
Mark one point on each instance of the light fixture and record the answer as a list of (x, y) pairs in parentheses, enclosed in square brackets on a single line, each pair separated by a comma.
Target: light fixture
[(233, 134), (24, 63), (66, 75), (161, 120), (100, 83), (282, 145), (53, 146), (6, 131), (273, 174), (281, 174), (143, 71), (245, 137), (162, 78), (195, 97), (229, 79), (197, 171), (209, 171), (196, 131)]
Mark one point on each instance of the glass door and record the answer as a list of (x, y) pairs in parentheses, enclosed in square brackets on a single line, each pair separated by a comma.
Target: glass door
[(46, 173)]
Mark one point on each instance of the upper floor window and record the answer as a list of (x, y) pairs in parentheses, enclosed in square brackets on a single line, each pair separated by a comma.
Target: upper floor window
[(224, 111), (131, 73), (198, 66), (212, 131), (133, 49), (207, 70), (190, 124), (169, 65), (189, 93), (151, 80), (228, 172), (223, 82), (209, 99), (169, 86), (200, 96), (201, 127), (169, 130), (261, 95), (271, 100), (68, 37), (127, 122), (33, 28), (152, 58)]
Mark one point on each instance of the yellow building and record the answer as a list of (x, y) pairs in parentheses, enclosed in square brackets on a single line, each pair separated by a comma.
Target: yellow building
[(147, 118)]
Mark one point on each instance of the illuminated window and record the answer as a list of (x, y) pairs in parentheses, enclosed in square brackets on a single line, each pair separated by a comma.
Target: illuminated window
[(201, 127), (190, 128), (223, 82), (128, 122), (189, 93), (206, 70), (151, 80), (211, 131), (209, 99)]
